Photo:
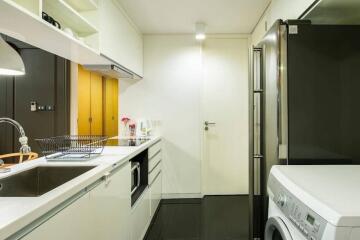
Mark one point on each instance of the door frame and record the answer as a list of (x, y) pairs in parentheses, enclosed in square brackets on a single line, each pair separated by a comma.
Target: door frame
[(203, 117)]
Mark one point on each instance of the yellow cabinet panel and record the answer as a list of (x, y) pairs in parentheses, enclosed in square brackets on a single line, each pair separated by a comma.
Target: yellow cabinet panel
[(96, 104), (84, 112), (90, 103), (111, 107), (116, 106)]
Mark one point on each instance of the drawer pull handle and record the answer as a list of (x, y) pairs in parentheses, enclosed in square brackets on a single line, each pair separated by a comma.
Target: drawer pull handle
[(155, 178)]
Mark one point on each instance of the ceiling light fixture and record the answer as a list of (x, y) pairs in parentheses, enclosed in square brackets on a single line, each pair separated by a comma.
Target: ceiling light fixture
[(200, 31), (11, 63)]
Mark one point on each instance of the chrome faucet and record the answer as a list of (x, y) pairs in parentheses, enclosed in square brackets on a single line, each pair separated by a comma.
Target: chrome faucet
[(22, 139)]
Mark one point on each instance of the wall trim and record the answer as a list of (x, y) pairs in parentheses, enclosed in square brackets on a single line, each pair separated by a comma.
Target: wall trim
[(208, 35), (227, 36), (181, 195)]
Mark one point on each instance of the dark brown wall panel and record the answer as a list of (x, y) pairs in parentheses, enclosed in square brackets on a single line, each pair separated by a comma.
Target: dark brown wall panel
[(47, 82)]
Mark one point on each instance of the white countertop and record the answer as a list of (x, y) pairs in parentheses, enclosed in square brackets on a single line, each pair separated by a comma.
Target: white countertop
[(17, 212), (332, 191)]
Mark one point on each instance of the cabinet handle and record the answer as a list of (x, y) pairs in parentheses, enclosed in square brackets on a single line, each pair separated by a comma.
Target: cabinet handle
[(156, 177), (107, 178)]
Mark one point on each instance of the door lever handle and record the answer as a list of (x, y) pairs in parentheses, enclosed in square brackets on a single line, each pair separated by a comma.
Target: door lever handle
[(209, 123)]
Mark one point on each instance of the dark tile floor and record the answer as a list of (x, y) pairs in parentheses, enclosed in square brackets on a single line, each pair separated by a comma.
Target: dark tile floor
[(211, 218)]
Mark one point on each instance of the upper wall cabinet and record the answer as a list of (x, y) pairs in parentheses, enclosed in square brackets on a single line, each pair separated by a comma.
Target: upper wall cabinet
[(22, 20), (279, 9), (120, 41), (85, 32)]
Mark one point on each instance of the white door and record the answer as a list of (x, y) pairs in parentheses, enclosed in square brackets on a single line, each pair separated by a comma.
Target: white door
[(225, 100)]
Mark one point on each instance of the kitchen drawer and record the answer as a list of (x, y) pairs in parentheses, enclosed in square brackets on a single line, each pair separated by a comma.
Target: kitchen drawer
[(154, 161), (153, 174), (155, 194), (154, 149), (140, 216)]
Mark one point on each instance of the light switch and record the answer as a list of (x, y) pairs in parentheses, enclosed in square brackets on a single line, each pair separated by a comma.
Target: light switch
[(33, 106)]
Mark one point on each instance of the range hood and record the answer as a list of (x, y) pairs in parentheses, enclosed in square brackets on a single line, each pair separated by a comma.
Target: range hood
[(112, 70)]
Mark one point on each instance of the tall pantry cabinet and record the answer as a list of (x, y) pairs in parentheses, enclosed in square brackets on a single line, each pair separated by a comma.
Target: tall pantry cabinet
[(97, 104), (90, 95), (111, 106)]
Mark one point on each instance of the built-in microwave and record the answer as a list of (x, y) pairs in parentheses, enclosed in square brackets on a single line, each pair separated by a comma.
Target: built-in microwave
[(135, 176)]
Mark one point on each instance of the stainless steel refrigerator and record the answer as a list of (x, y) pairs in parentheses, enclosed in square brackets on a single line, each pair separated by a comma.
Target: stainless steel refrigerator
[(304, 102)]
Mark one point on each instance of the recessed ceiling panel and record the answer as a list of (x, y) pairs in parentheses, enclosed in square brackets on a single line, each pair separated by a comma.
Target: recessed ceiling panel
[(179, 16)]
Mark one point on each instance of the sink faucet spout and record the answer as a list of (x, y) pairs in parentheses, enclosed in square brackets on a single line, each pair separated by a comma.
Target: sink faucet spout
[(22, 139)]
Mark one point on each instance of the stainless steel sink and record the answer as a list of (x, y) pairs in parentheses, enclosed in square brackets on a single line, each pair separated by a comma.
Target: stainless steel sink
[(39, 180)]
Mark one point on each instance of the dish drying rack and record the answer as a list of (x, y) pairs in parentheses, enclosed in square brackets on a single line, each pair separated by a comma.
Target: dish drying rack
[(72, 147)]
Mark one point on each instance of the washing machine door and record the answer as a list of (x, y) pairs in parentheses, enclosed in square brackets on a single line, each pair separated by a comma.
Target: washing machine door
[(276, 230)]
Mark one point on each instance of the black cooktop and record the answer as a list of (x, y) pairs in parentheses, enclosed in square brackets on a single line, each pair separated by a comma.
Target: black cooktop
[(131, 142)]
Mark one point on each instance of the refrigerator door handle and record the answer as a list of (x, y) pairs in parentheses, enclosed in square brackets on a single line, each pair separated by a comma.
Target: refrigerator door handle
[(258, 94), (256, 158), (257, 174), (283, 99)]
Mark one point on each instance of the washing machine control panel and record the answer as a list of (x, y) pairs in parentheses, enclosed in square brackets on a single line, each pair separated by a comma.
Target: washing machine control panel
[(309, 223)]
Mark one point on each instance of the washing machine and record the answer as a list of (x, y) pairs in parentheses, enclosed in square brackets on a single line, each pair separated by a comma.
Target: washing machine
[(314, 203)]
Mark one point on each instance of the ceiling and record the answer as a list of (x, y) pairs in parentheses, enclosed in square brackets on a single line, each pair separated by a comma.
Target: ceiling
[(336, 12), (180, 16)]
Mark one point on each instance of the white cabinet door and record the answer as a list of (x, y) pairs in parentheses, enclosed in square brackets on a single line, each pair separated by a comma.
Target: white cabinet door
[(72, 223), (111, 206), (285, 9), (140, 216), (119, 39), (155, 194), (279, 9)]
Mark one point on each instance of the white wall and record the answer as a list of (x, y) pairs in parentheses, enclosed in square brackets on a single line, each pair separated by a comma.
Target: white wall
[(170, 93)]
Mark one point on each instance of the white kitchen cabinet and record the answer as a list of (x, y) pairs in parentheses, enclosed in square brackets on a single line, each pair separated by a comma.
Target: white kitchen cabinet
[(154, 149), (154, 173), (140, 216), (26, 25), (103, 213), (72, 223), (119, 39), (279, 9), (104, 27), (155, 189), (155, 177), (154, 161), (285, 9), (111, 205), (261, 29)]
